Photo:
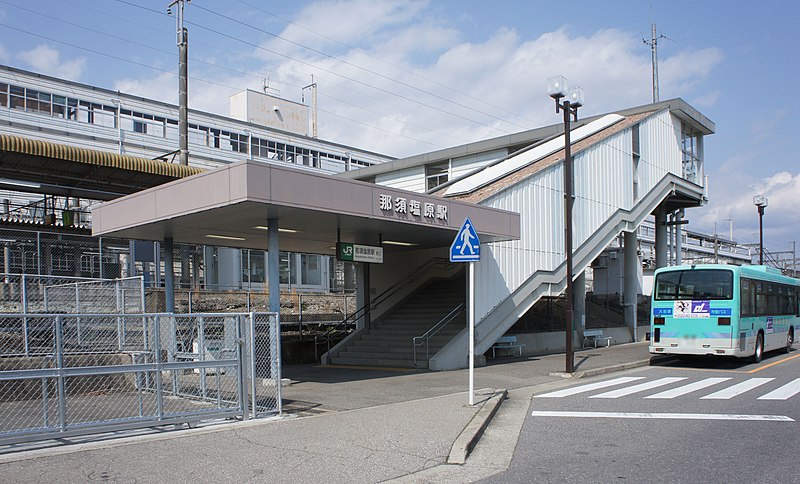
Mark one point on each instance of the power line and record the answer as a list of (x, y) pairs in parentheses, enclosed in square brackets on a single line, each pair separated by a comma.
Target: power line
[(206, 81), (396, 66), (237, 71), (380, 89), (346, 62)]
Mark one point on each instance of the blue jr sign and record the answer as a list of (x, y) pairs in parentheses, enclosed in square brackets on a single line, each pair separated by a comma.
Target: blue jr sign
[(466, 247)]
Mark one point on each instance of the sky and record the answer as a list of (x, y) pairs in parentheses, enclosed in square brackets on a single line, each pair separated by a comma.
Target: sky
[(408, 77)]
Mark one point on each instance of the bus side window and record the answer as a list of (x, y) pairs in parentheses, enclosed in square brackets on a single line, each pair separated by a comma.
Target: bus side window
[(745, 300)]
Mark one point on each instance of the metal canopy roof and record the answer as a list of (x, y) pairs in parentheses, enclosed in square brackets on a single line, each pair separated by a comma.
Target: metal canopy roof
[(314, 211), (58, 169)]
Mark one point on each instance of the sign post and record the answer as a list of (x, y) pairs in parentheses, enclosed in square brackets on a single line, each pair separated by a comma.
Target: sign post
[(467, 248)]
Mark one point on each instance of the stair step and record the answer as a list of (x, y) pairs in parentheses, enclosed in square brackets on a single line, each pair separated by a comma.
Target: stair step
[(367, 355), (374, 362)]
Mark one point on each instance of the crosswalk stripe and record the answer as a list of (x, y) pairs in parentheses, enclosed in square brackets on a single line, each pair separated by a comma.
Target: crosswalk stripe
[(737, 389), (638, 388), (783, 393), (668, 416), (691, 387), (591, 386)]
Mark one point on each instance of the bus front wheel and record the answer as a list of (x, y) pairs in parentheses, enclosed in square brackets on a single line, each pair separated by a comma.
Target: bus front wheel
[(789, 340), (759, 351)]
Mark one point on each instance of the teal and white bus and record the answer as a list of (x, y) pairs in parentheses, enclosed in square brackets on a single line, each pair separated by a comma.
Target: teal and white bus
[(712, 309)]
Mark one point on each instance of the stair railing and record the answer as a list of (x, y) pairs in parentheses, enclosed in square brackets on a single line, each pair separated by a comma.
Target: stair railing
[(426, 337), (366, 309)]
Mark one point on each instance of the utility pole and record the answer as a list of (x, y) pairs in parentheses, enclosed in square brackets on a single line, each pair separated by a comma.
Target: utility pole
[(183, 80), (653, 43)]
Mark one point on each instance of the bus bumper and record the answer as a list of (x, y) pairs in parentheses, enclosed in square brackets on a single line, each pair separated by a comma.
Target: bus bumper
[(688, 350)]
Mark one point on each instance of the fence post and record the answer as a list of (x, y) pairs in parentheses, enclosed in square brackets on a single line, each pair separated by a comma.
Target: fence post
[(190, 301), (25, 336), (252, 354), (78, 311), (141, 288), (277, 361), (172, 355), (201, 350), (120, 329), (62, 394), (240, 351), (159, 382)]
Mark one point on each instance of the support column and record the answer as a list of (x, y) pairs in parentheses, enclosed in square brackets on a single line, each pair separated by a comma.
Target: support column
[(169, 275), (579, 302), (661, 238), (362, 294), (631, 268), (273, 264), (679, 237)]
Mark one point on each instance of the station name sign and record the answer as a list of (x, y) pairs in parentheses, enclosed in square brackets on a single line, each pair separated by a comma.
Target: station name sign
[(402, 206), (348, 252)]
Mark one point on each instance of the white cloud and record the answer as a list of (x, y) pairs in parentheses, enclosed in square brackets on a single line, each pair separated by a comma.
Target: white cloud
[(47, 60), (495, 85), (731, 195), (357, 22), (682, 72)]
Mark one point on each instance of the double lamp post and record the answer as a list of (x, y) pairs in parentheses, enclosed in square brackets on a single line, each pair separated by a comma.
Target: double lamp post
[(567, 100)]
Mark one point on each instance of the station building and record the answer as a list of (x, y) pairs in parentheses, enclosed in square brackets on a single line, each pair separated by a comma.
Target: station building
[(636, 170)]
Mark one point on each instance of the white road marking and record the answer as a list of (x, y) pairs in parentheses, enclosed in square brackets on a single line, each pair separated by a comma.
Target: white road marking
[(591, 386), (667, 416), (737, 389), (691, 387), (783, 393), (638, 388)]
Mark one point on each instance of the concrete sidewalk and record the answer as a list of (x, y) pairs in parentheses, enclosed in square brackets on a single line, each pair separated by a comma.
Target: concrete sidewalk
[(364, 426)]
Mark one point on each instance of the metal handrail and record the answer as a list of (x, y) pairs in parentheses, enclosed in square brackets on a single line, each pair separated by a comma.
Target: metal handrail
[(432, 332), (380, 298)]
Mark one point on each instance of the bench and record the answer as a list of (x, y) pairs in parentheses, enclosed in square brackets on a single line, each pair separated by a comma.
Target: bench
[(507, 343), (593, 336)]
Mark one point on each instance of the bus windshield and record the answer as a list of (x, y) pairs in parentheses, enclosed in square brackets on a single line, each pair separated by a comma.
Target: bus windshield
[(694, 284)]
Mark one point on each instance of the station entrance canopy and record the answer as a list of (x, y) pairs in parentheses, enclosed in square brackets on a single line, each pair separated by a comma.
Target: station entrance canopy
[(230, 207)]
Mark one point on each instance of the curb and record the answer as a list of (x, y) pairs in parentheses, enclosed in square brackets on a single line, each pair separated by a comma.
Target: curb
[(611, 369), (469, 437)]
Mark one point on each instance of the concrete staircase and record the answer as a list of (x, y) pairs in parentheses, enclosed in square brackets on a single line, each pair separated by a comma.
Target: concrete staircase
[(388, 343)]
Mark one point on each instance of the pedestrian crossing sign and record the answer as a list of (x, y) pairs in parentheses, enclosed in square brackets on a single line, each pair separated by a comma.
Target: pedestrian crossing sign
[(466, 247)]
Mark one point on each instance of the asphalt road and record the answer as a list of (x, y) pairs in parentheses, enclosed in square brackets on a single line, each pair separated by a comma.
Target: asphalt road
[(701, 420)]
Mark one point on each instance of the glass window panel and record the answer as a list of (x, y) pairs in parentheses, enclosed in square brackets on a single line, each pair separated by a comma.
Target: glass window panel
[(311, 269)]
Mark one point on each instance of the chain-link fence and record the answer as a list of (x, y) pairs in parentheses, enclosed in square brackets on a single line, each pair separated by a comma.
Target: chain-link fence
[(25, 293), (300, 312), (88, 373)]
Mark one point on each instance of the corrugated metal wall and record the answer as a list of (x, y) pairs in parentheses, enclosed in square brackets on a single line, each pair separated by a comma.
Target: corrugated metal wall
[(603, 184), (463, 165), (412, 179), (659, 148)]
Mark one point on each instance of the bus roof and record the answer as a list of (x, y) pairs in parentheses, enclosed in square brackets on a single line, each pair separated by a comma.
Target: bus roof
[(755, 271)]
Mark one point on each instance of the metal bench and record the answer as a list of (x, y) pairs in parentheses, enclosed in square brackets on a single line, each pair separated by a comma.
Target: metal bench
[(507, 343), (593, 336)]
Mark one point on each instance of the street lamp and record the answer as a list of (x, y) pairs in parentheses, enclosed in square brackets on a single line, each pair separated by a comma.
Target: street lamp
[(568, 101), (761, 202)]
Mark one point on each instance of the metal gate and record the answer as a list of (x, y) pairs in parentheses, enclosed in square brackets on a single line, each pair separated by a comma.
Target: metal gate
[(71, 374)]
